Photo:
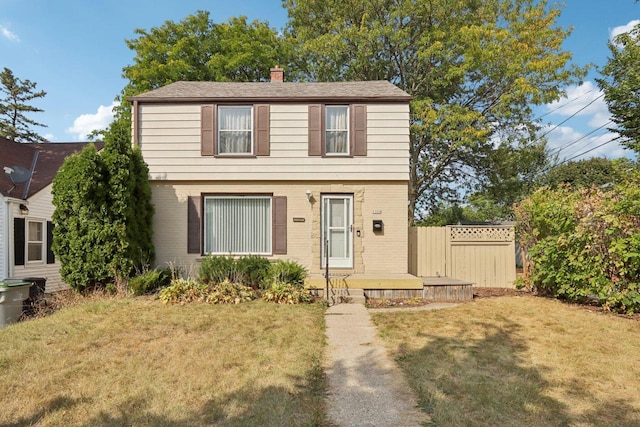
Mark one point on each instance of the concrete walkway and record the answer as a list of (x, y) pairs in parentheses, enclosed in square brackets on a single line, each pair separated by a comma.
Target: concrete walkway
[(365, 386)]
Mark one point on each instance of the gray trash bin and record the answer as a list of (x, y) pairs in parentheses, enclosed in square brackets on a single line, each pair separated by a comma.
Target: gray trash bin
[(12, 295)]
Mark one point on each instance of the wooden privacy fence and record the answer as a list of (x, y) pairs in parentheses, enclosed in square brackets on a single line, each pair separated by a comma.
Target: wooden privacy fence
[(484, 255)]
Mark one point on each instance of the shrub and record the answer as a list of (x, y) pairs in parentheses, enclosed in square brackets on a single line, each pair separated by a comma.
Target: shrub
[(287, 272), (584, 245), (218, 268), (286, 293), (149, 281), (254, 270), (183, 291), (103, 215), (229, 293)]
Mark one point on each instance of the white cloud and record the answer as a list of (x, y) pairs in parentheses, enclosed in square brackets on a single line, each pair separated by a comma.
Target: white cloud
[(616, 31), (585, 101), (49, 137), (570, 143), (86, 123), (8, 34)]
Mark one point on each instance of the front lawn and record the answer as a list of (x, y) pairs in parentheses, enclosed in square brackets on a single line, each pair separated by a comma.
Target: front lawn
[(142, 363), (519, 361)]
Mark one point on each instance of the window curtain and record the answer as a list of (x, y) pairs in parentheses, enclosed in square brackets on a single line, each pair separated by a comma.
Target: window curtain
[(337, 136), (239, 225), (234, 129)]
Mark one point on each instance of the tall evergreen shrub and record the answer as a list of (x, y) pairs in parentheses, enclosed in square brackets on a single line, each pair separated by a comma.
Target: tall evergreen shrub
[(103, 214)]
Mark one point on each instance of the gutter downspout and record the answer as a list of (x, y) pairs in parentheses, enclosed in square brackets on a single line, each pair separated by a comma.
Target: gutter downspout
[(8, 223)]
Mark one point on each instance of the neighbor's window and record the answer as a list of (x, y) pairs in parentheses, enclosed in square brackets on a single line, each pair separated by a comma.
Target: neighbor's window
[(237, 224), (35, 241), (337, 132), (235, 127)]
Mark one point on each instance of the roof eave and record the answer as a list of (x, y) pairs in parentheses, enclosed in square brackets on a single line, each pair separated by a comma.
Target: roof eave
[(368, 99)]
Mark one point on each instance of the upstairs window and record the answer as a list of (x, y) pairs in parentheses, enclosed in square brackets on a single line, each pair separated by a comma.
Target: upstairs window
[(235, 130), (337, 130)]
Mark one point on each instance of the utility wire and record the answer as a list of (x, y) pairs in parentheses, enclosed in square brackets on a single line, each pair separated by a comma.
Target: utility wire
[(557, 150), (564, 105), (568, 118), (591, 149)]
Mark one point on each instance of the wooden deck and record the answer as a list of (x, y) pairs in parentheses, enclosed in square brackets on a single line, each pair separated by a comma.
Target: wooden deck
[(441, 289), (446, 289), (397, 286)]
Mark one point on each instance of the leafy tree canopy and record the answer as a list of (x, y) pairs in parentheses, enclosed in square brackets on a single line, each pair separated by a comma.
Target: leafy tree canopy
[(598, 171), (620, 83), (475, 69), (197, 49), (14, 106)]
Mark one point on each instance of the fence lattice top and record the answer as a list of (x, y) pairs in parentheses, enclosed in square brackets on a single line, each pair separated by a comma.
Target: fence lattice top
[(481, 233)]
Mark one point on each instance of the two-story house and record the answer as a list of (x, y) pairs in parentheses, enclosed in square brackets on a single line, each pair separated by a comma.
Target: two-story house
[(305, 171)]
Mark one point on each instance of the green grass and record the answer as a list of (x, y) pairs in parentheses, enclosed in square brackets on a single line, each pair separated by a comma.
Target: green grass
[(139, 362), (519, 361)]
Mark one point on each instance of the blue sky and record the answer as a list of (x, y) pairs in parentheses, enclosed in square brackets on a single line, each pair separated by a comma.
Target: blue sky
[(75, 51)]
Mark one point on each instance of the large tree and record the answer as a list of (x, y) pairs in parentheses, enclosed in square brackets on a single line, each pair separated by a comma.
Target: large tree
[(621, 86), (14, 107), (198, 49), (474, 67)]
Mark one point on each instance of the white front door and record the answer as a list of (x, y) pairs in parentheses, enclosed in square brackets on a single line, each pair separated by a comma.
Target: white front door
[(337, 229)]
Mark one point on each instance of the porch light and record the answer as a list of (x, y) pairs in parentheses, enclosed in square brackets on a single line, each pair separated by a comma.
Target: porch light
[(308, 193), (24, 210)]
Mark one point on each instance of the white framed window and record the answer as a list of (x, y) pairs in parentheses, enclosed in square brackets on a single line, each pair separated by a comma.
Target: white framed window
[(237, 225), (235, 129), (35, 241), (337, 129)]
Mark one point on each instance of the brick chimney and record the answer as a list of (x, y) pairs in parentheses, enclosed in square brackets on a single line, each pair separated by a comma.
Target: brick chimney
[(277, 74)]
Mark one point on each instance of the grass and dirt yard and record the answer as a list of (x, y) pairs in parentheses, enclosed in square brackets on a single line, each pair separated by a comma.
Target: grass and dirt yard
[(500, 360), (518, 361), (138, 362)]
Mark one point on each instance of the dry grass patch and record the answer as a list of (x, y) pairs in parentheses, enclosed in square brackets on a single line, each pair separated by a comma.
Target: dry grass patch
[(516, 361), (140, 362)]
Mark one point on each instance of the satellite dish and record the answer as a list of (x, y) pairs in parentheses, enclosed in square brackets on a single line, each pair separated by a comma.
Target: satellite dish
[(18, 174)]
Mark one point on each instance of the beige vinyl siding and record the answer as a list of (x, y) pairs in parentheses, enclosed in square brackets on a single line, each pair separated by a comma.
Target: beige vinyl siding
[(40, 209), (169, 136), (374, 253)]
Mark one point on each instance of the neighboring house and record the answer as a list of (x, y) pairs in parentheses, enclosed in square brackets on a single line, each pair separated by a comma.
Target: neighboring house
[(277, 168), (26, 174)]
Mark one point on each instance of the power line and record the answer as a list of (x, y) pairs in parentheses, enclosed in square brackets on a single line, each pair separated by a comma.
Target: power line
[(570, 117), (557, 150), (564, 105), (591, 149)]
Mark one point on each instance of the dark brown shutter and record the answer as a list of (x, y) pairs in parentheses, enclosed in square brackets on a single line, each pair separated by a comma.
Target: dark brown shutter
[(208, 129), (18, 241), (50, 255), (316, 130), (193, 224), (359, 129), (279, 225), (262, 120)]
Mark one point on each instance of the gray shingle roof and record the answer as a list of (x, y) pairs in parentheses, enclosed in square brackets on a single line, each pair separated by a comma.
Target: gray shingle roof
[(283, 91)]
